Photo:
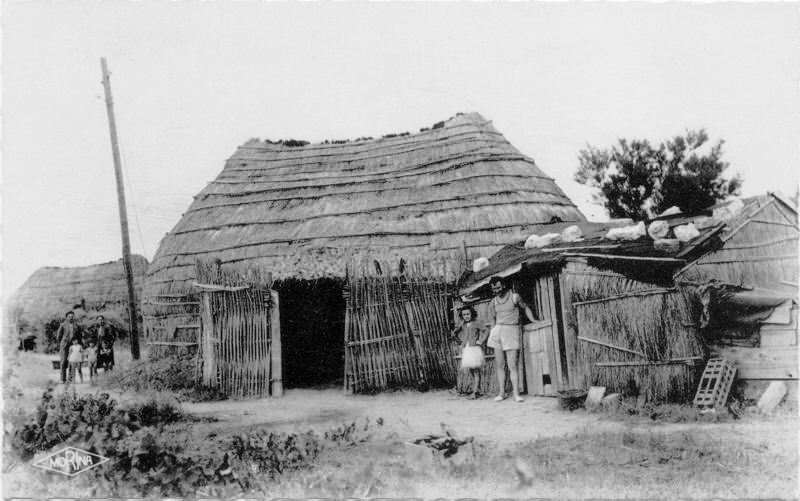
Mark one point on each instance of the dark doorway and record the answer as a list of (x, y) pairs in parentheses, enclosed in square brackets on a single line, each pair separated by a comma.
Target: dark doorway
[(312, 332)]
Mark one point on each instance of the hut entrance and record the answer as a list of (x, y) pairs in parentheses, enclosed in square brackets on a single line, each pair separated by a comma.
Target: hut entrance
[(396, 330), (312, 324)]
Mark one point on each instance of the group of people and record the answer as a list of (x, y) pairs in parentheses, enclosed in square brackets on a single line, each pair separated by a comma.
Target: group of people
[(502, 335), (95, 350)]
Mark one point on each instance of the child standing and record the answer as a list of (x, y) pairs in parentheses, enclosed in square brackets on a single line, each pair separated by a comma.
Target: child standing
[(105, 358), (472, 336), (75, 359), (91, 359)]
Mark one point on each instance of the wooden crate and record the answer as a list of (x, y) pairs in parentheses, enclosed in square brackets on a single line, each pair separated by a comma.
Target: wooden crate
[(715, 384)]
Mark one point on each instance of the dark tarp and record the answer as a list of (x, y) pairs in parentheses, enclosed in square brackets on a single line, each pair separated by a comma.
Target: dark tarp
[(728, 305)]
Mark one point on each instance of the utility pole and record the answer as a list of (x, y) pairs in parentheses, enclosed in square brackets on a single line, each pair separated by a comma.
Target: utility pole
[(123, 215)]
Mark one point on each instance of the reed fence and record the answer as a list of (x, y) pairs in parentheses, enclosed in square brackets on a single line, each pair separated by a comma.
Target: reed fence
[(171, 324), (239, 341), (396, 324)]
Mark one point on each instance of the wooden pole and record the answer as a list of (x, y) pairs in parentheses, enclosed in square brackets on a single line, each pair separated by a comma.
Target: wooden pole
[(123, 216), (275, 341)]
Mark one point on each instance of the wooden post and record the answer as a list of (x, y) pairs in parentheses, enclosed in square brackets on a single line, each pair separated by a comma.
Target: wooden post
[(123, 216), (207, 334), (275, 345), (570, 331)]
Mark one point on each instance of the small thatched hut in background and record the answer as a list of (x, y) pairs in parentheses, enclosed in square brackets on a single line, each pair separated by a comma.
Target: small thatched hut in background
[(627, 315), (302, 212), (49, 292)]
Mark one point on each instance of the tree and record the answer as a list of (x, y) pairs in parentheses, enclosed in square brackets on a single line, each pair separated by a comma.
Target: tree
[(639, 181)]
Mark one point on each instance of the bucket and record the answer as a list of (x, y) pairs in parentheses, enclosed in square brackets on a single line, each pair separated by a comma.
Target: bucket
[(56, 364), (571, 399)]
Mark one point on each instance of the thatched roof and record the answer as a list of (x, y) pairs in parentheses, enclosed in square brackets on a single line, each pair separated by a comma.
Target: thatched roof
[(99, 285), (302, 211)]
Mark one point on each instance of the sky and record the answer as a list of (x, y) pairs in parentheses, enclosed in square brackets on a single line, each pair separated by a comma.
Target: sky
[(193, 80)]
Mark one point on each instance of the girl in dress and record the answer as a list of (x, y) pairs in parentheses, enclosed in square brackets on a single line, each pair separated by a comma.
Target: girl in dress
[(75, 359), (471, 336)]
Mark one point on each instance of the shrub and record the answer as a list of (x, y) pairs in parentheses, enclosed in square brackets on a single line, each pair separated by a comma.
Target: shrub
[(156, 409), (174, 373), (58, 418), (150, 457)]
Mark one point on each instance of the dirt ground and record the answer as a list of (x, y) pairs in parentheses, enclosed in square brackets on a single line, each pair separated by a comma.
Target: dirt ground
[(410, 414), (405, 415)]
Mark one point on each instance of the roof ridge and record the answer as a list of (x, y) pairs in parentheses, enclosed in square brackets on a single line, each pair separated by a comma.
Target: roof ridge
[(474, 119)]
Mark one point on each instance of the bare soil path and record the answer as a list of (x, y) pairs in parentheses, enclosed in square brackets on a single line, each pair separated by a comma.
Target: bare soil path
[(407, 415)]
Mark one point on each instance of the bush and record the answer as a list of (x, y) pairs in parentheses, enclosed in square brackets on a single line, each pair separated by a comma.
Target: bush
[(149, 457), (174, 373), (156, 409), (57, 419)]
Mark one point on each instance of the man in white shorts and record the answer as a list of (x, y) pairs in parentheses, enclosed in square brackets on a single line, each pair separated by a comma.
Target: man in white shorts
[(505, 334)]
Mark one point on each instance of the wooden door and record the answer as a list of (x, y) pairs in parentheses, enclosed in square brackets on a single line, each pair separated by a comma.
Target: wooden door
[(542, 347)]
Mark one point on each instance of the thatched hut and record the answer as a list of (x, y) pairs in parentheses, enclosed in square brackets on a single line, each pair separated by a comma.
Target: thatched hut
[(49, 292), (302, 212), (627, 315)]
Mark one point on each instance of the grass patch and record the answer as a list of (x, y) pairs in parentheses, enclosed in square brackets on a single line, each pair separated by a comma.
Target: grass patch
[(639, 464), (629, 411), (169, 374)]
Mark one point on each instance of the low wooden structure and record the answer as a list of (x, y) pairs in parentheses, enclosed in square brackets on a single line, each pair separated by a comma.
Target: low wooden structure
[(759, 252), (628, 314)]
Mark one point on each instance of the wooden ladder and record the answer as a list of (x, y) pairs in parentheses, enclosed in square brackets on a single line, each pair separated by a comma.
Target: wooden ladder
[(715, 384)]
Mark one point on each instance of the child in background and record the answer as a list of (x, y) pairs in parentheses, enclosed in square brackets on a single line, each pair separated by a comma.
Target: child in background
[(472, 336), (104, 358), (91, 359), (75, 358)]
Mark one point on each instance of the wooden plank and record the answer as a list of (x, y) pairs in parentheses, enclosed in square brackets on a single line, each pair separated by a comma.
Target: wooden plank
[(538, 384), (781, 257), (557, 375), (570, 330), (758, 371), (172, 343), (551, 334), (613, 347), (219, 288), (530, 365), (764, 355), (778, 337), (647, 292), (625, 258), (275, 340), (209, 358), (760, 363)]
